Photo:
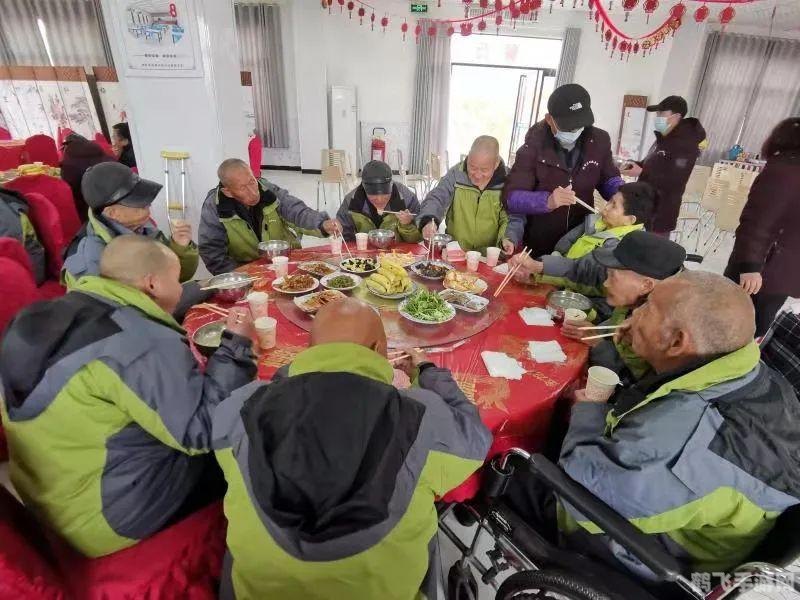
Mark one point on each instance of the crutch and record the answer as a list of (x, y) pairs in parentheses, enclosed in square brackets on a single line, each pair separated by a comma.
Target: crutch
[(176, 208)]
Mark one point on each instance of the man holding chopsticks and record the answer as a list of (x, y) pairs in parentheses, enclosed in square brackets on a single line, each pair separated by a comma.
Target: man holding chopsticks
[(564, 160)]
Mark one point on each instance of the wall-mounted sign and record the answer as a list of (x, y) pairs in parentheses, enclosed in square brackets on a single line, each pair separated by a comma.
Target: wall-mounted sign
[(419, 7)]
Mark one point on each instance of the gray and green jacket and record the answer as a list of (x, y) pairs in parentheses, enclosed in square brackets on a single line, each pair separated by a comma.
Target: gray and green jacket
[(15, 223), (230, 232), (82, 256), (476, 219), (105, 410), (704, 458), (618, 356), (358, 215), (333, 472)]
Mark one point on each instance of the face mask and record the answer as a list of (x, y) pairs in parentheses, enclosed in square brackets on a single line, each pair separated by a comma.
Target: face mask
[(567, 139), (661, 124)]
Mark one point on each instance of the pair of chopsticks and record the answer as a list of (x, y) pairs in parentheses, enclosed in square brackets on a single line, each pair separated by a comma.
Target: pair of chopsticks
[(398, 355), (586, 206), (341, 235), (510, 274), (214, 309), (602, 335), (229, 284), (393, 212)]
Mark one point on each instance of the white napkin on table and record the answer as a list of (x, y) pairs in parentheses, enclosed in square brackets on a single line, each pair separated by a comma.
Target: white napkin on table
[(501, 269), (547, 352), (534, 315), (500, 364)]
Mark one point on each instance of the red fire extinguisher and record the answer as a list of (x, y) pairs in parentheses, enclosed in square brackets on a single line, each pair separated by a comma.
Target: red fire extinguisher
[(378, 146)]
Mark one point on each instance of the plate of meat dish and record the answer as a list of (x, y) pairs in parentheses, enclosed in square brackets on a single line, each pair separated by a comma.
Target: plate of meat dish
[(317, 268), (431, 269), (359, 265), (311, 303), (299, 283)]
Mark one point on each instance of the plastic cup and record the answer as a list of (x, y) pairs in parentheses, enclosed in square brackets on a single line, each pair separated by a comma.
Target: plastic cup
[(574, 315), (266, 332), (492, 256), (336, 245), (361, 241), (601, 383), (259, 304), (281, 264), (473, 260)]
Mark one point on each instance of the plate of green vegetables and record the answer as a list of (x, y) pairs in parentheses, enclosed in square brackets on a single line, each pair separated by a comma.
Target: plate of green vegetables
[(341, 281), (426, 308)]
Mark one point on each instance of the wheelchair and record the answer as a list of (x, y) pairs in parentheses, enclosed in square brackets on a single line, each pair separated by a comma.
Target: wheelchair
[(547, 571)]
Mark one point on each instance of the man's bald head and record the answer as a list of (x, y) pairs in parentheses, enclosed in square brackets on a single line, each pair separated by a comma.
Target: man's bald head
[(352, 321), (483, 160), (238, 182), (229, 166), (486, 145), (145, 264)]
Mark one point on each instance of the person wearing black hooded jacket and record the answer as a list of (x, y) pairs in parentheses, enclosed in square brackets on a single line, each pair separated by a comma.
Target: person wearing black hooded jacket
[(79, 155), (670, 160)]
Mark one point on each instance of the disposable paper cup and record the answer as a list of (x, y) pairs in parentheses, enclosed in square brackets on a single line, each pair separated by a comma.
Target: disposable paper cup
[(473, 260), (601, 383), (259, 304), (266, 332), (281, 264), (492, 256), (574, 315), (361, 241), (336, 245)]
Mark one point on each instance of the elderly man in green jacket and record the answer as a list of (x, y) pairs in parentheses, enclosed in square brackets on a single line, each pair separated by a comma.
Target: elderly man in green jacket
[(332, 471), (243, 211), (702, 453), (467, 199), (106, 411), (119, 204)]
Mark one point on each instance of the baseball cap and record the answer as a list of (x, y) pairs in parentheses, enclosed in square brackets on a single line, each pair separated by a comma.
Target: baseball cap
[(644, 253), (674, 104), (376, 178), (111, 183), (571, 107)]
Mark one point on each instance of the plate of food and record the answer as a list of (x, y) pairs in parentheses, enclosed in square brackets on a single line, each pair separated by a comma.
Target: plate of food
[(464, 300), (464, 282), (341, 281), (298, 283), (359, 265), (317, 268), (404, 259), (311, 303), (390, 281), (426, 308), (431, 269)]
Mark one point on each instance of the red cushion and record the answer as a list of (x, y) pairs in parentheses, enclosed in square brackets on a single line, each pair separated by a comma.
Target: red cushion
[(26, 568), (57, 192), (17, 290), (5, 134), (42, 148), (13, 249), (11, 158), (47, 222)]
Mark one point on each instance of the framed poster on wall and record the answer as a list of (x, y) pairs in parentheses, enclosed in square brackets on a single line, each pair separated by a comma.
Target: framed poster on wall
[(160, 38)]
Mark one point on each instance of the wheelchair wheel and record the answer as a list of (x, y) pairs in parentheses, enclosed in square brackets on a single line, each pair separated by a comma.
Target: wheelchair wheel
[(548, 585)]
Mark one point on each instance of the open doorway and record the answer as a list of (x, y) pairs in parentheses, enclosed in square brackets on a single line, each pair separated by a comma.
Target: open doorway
[(499, 86)]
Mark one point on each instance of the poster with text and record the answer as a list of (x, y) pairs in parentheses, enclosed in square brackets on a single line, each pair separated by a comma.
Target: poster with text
[(160, 38)]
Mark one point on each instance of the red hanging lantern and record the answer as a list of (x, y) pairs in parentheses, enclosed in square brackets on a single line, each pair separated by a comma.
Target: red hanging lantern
[(536, 6), (384, 23), (326, 4), (628, 6), (701, 14), (498, 4), (450, 31), (361, 13), (350, 6), (481, 25), (678, 11), (404, 29), (432, 31), (417, 31), (597, 20), (341, 5), (372, 22), (524, 7), (484, 4), (608, 35), (614, 43), (726, 16), (514, 11), (636, 47), (467, 4), (650, 7), (498, 20), (466, 29)]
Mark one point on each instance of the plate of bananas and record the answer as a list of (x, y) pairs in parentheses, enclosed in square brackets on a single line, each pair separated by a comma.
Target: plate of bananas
[(391, 282)]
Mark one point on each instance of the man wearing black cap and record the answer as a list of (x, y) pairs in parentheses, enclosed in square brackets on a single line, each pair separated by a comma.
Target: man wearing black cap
[(633, 268), (119, 203), (670, 159), (564, 158), (379, 203)]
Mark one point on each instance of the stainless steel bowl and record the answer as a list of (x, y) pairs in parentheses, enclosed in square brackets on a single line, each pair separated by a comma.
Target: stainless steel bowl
[(559, 301), (208, 338), (381, 238), (440, 241), (273, 248), (235, 286)]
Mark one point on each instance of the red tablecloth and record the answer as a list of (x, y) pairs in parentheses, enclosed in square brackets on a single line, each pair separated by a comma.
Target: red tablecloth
[(518, 413)]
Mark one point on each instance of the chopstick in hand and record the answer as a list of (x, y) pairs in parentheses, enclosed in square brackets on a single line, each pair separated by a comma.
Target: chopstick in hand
[(597, 337), (586, 206), (599, 327), (510, 274)]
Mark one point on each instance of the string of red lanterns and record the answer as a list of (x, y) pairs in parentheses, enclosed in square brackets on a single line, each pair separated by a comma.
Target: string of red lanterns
[(613, 37)]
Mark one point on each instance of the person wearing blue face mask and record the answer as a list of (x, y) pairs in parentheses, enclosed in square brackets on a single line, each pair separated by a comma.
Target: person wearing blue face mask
[(670, 160), (565, 158)]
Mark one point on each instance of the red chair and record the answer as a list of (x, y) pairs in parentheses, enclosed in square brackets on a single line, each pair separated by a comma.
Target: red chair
[(5, 134), (46, 221), (42, 148), (57, 192), (254, 149), (14, 250), (183, 561), (101, 141), (11, 158)]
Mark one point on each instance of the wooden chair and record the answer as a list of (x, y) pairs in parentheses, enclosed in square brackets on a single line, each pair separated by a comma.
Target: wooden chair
[(334, 166)]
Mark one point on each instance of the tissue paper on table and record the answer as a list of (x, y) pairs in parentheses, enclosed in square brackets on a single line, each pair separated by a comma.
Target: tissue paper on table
[(501, 269), (536, 316), (500, 364), (547, 352)]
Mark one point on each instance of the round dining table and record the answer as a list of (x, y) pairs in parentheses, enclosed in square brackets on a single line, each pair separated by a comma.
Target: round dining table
[(518, 412)]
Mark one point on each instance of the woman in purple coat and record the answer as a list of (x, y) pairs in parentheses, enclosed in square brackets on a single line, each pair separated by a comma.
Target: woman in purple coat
[(764, 257)]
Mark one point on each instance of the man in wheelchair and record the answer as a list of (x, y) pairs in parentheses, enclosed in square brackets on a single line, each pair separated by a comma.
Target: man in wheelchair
[(702, 454)]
